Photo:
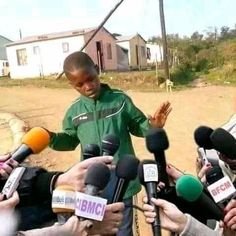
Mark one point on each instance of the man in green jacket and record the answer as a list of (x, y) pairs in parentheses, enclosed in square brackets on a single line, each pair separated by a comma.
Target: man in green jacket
[(99, 111)]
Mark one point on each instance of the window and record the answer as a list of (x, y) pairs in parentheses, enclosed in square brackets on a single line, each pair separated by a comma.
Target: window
[(21, 56), (148, 53), (65, 47), (36, 50), (143, 54), (109, 51)]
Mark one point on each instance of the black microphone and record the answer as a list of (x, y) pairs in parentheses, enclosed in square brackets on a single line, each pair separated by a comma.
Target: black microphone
[(96, 179), (219, 186), (191, 189), (110, 145), (148, 176), (126, 170), (224, 143), (202, 137), (91, 150), (157, 142)]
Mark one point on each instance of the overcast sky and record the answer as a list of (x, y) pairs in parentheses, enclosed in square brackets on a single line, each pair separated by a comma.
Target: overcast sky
[(184, 17)]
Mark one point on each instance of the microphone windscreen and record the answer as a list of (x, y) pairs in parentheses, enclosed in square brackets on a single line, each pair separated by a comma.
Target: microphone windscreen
[(110, 144), (189, 188), (127, 167), (202, 137), (98, 175), (36, 139), (140, 170), (91, 150), (224, 143), (156, 140), (214, 174)]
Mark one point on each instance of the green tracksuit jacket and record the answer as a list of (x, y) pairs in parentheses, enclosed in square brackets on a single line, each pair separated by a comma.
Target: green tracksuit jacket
[(87, 121)]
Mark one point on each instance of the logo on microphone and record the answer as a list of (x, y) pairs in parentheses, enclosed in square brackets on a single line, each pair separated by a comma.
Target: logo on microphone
[(150, 173), (90, 207), (222, 189)]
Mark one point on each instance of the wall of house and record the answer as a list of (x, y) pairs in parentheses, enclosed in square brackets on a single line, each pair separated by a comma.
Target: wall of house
[(4, 69), (48, 60), (126, 45), (142, 54), (104, 37), (156, 52)]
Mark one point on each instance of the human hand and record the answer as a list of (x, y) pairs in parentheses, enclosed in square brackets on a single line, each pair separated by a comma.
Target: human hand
[(230, 215), (7, 165), (173, 172), (160, 116), (111, 221), (9, 204), (171, 217), (76, 174), (203, 171)]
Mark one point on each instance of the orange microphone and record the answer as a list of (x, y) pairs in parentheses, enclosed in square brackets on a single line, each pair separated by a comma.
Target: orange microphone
[(33, 142)]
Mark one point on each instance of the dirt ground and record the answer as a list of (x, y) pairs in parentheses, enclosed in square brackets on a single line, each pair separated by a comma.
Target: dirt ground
[(45, 107)]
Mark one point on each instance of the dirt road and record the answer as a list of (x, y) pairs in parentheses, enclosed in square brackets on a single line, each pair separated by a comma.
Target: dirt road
[(211, 106)]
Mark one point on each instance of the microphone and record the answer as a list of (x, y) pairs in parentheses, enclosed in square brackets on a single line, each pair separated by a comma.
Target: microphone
[(156, 143), (190, 189), (88, 205), (32, 142), (202, 137), (91, 150), (126, 170), (110, 145), (219, 186), (224, 143), (205, 151), (63, 202), (148, 176)]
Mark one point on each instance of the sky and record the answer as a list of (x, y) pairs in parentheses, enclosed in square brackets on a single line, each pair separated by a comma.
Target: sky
[(184, 17)]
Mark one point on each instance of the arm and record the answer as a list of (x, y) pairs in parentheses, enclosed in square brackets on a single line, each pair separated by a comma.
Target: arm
[(66, 140)]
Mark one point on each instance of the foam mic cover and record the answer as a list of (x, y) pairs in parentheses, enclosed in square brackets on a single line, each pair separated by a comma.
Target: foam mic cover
[(190, 189), (91, 150), (148, 176), (32, 142), (110, 144), (63, 202), (202, 137), (214, 174), (224, 143), (97, 178), (156, 143), (126, 170)]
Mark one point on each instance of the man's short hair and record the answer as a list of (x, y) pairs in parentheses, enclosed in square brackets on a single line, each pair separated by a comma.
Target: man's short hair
[(79, 60)]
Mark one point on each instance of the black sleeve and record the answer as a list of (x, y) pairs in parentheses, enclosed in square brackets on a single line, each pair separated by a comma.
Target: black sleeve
[(34, 187)]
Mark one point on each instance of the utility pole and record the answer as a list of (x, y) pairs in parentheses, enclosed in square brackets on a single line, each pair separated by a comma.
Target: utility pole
[(164, 41)]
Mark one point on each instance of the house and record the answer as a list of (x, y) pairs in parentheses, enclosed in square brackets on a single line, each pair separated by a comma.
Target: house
[(154, 53), (43, 55), (4, 66), (137, 52)]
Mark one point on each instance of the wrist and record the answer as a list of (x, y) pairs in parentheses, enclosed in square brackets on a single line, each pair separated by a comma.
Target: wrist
[(182, 223)]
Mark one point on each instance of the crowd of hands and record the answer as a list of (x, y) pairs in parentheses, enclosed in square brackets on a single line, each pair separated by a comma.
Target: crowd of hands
[(171, 217)]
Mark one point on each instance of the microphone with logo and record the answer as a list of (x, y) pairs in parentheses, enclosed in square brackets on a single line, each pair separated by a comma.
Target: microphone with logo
[(91, 150), (63, 202), (219, 186), (126, 170), (88, 204), (157, 142), (148, 176), (191, 189)]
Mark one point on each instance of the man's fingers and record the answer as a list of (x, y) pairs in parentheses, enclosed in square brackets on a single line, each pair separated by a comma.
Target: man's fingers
[(115, 207), (230, 205), (147, 207), (5, 157), (104, 159)]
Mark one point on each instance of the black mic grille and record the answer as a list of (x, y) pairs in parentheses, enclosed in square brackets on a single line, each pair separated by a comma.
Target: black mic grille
[(110, 144), (98, 175), (202, 137)]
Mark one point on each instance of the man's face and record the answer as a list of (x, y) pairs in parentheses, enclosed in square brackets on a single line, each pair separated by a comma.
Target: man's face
[(86, 82)]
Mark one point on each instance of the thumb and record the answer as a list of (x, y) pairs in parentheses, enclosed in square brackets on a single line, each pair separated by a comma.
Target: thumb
[(160, 203), (1, 196)]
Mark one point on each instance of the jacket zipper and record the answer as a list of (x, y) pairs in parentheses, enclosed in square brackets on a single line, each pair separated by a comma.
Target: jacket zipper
[(96, 123)]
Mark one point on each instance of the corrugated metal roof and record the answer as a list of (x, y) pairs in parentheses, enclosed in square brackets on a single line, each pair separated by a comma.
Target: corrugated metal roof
[(50, 36), (3, 42)]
